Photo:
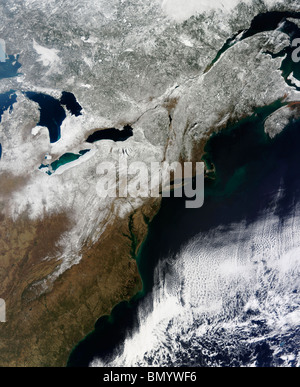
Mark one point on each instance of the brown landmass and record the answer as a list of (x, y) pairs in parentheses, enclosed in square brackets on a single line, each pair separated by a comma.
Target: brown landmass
[(41, 330)]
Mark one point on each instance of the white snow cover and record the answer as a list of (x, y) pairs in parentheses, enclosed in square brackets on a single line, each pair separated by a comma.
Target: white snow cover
[(183, 9), (48, 57), (132, 78), (195, 303)]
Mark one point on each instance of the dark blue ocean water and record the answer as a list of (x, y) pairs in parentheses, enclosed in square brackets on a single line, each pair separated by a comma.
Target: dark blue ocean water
[(250, 168)]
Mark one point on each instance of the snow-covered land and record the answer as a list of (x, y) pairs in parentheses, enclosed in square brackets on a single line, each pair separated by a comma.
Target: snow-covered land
[(127, 62)]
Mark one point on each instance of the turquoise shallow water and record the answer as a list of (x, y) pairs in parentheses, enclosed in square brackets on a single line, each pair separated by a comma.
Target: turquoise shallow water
[(249, 168), (64, 159)]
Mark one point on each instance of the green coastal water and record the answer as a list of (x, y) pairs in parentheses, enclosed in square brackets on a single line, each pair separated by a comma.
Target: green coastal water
[(63, 160), (244, 158)]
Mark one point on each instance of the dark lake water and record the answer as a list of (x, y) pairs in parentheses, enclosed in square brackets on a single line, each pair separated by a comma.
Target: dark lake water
[(52, 114), (10, 68), (69, 100), (111, 134), (7, 101), (268, 22), (250, 168)]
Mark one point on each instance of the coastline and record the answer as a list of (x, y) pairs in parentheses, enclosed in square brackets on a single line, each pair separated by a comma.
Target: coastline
[(165, 237), (62, 317), (138, 227)]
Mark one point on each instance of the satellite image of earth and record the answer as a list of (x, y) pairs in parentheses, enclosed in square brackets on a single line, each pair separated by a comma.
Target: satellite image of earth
[(139, 279)]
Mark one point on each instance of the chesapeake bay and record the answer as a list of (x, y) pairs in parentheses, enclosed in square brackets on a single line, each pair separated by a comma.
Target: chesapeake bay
[(249, 168)]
